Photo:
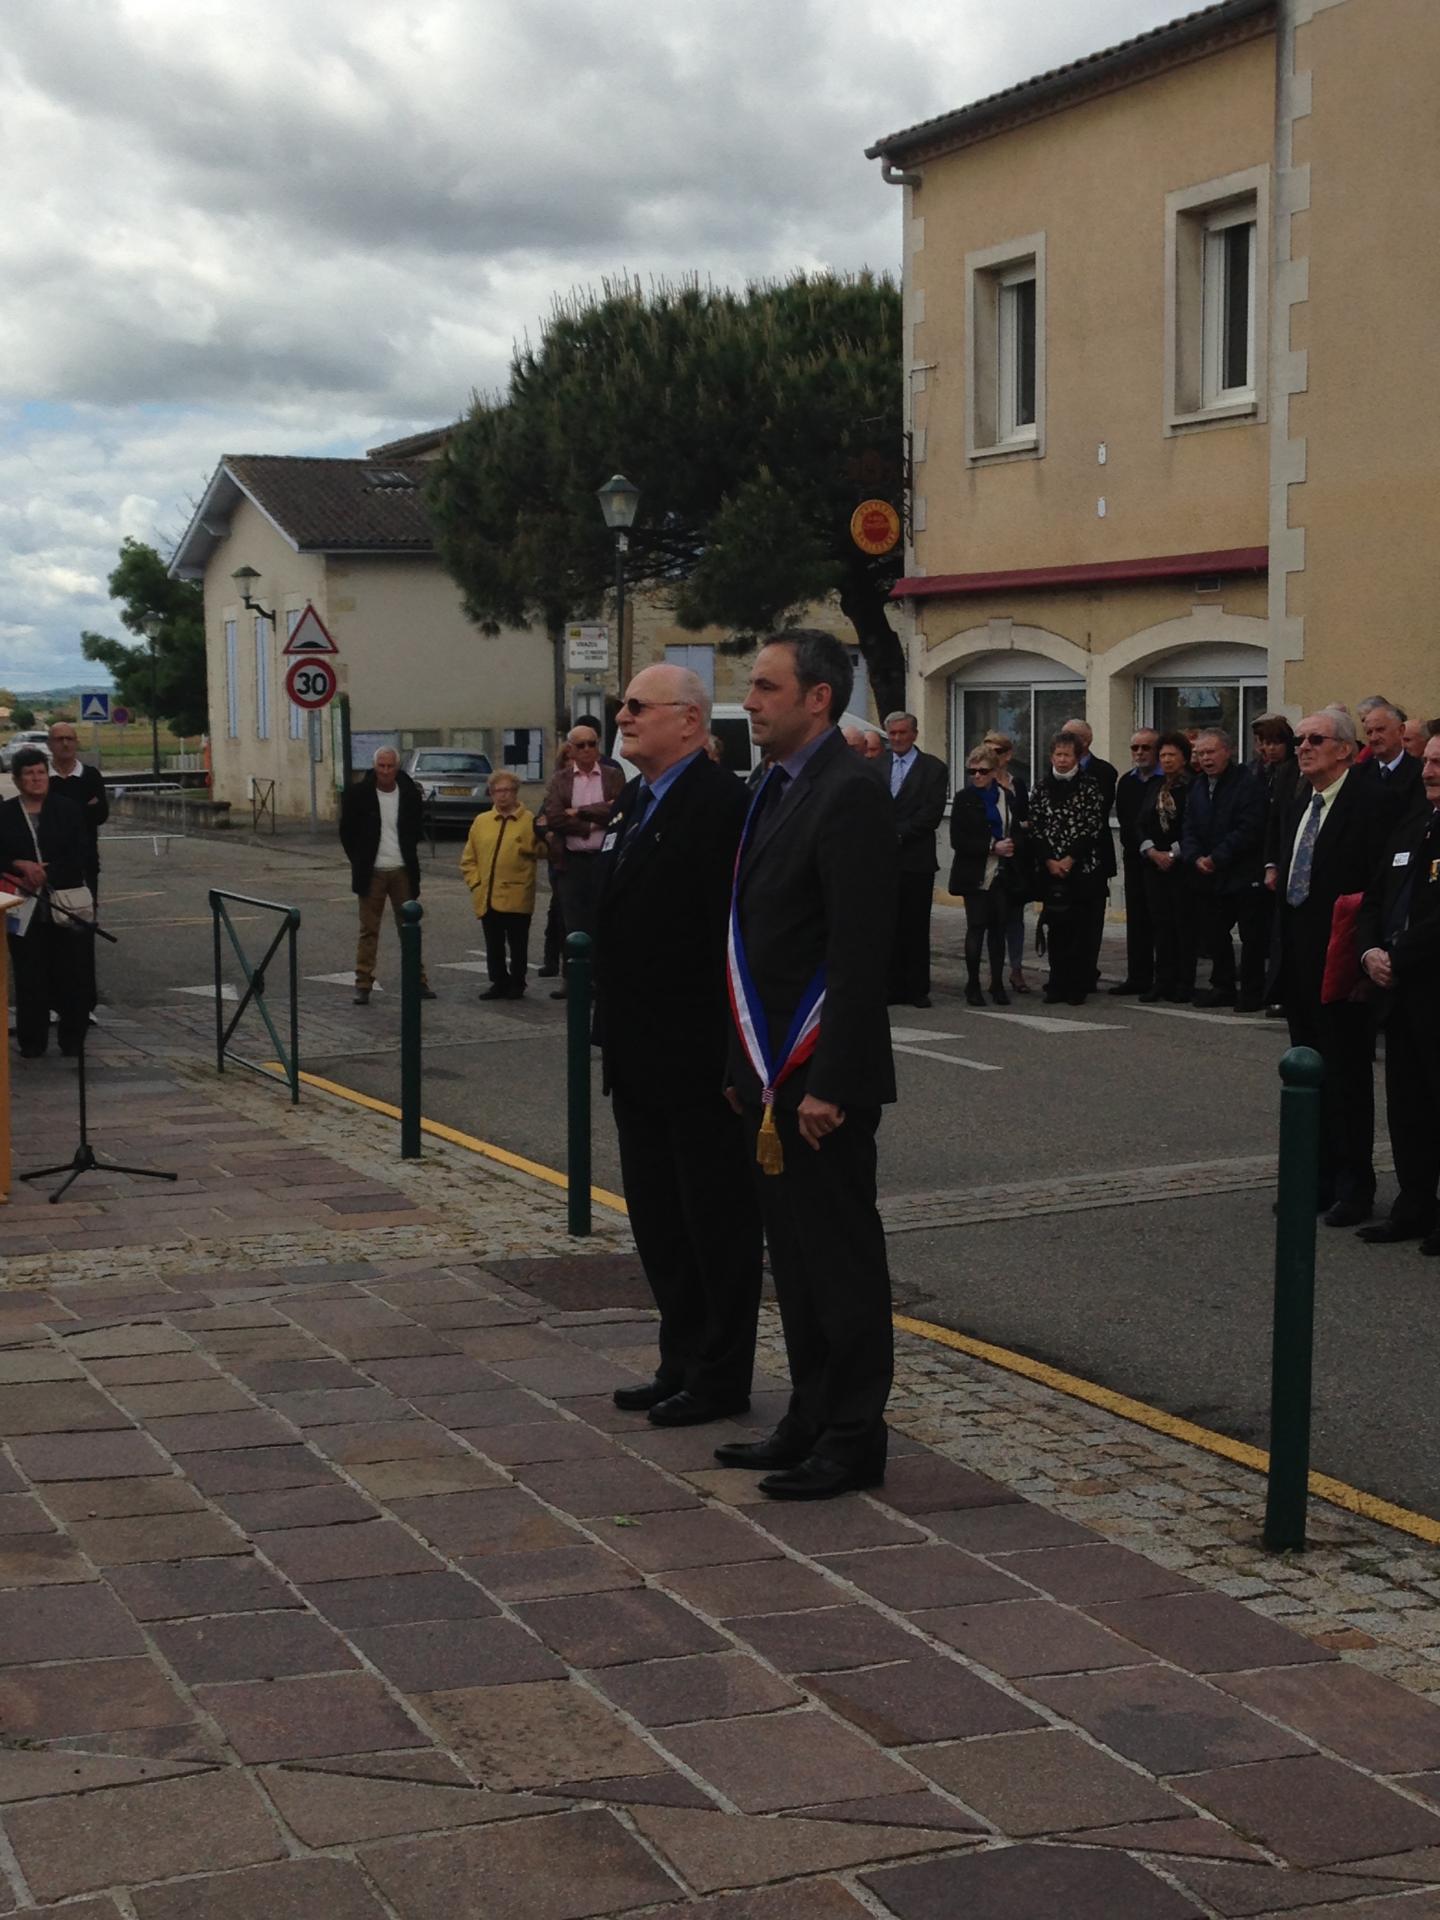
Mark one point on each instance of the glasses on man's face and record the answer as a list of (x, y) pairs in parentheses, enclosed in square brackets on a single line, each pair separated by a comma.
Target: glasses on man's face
[(1313, 739), (637, 707), (584, 746)]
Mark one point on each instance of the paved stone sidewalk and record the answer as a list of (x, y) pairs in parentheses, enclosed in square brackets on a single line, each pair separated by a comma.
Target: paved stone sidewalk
[(332, 1585)]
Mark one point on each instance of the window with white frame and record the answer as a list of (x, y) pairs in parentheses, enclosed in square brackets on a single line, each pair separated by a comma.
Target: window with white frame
[(262, 678), (232, 682), (293, 617), (1215, 297), (1005, 366)]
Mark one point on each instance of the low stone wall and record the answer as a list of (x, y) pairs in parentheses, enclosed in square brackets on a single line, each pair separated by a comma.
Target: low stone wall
[(186, 812)]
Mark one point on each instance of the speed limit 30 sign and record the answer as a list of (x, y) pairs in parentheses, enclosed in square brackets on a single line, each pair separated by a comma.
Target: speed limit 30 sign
[(311, 683)]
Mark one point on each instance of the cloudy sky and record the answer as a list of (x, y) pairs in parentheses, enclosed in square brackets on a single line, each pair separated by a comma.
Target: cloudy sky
[(304, 226)]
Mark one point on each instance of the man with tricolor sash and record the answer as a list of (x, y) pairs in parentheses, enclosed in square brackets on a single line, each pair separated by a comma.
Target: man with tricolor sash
[(810, 1064)]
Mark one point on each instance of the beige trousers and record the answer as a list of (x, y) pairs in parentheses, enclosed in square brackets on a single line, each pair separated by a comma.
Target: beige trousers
[(386, 883)]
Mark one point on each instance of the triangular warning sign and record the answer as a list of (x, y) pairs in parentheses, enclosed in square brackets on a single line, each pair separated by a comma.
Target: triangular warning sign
[(310, 636)]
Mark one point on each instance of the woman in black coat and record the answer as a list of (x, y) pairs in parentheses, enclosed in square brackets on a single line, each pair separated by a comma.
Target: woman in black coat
[(43, 845), (1067, 819), (986, 832), (1018, 788), (1157, 831)]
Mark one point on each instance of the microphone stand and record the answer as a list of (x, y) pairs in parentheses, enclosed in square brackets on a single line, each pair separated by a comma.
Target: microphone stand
[(84, 1159)]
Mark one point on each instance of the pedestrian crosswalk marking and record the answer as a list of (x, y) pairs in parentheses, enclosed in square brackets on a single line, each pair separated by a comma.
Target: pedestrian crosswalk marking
[(464, 966), (1225, 1019), (341, 980), (952, 1059), (227, 992), (1047, 1023)]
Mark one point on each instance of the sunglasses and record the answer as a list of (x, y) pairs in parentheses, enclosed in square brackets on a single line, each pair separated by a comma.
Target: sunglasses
[(1313, 739), (637, 707), (583, 746)]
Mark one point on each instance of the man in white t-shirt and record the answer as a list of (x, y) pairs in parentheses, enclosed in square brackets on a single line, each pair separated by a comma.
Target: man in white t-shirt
[(380, 824)]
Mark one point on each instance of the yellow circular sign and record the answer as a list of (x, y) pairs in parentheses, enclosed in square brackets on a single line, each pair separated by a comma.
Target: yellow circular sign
[(875, 526)]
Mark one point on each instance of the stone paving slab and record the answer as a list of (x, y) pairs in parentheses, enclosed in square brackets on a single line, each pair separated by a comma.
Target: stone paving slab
[(332, 1583)]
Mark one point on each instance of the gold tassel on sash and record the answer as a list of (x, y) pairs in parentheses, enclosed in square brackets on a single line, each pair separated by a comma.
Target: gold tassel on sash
[(768, 1150)]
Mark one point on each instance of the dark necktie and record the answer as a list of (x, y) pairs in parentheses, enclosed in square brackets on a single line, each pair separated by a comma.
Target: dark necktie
[(1298, 890), (772, 794)]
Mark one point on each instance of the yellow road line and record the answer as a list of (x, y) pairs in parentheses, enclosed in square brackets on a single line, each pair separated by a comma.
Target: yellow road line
[(1368, 1506), (1323, 1486), (502, 1155)]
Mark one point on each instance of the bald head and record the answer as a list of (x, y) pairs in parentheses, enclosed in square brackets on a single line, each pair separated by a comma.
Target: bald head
[(664, 718), (1082, 730)]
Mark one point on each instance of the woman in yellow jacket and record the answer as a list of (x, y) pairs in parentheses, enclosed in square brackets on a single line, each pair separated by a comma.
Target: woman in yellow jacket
[(499, 868)]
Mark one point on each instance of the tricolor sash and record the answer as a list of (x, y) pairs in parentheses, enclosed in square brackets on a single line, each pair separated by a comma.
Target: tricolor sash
[(749, 1015)]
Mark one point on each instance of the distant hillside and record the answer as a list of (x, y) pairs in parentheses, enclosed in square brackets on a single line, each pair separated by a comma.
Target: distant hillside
[(58, 696)]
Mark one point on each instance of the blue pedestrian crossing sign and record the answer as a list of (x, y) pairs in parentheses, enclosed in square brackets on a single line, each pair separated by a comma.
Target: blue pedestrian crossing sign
[(94, 706)]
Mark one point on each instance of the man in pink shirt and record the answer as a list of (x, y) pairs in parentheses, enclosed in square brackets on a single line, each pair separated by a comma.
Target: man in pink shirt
[(578, 802)]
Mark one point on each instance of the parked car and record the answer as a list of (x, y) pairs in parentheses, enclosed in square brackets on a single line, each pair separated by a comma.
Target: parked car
[(451, 782), (32, 737)]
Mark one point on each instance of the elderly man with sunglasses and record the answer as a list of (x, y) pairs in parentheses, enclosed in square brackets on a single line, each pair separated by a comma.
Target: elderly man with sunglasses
[(1325, 848), (662, 1022)]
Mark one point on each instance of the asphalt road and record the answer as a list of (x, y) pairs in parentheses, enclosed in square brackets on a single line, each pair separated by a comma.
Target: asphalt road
[(1088, 1186)]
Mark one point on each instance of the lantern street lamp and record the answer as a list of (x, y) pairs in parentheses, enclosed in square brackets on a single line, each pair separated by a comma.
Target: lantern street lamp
[(619, 498), (151, 625)]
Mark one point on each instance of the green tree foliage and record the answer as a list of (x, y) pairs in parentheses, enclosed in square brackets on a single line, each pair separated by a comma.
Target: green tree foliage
[(753, 423), (22, 718), (141, 584)]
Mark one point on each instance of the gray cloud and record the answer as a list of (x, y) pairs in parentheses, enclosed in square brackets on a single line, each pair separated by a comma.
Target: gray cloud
[(305, 226)]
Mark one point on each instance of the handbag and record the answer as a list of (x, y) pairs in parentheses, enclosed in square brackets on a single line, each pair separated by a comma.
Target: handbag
[(73, 907)]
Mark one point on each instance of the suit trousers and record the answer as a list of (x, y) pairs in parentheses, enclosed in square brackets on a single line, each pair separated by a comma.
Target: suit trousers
[(1139, 932), (1412, 1071), (1172, 929), (1093, 916), (832, 1280), (1343, 1036), (390, 884), (579, 882), (910, 951), (1221, 915), (507, 948), (52, 968), (696, 1222)]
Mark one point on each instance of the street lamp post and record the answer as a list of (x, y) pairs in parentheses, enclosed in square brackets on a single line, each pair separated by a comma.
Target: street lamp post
[(151, 625), (619, 498)]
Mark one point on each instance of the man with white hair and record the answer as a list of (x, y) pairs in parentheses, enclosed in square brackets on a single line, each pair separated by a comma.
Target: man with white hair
[(662, 1022), (1392, 773), (919, 787), (380, 825)]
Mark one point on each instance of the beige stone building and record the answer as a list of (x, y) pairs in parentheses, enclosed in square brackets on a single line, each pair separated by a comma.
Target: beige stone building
[(1170, 356), (350, 538)]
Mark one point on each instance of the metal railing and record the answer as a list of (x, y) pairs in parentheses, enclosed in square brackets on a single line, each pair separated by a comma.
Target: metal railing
[(262, 803), (255, 987)]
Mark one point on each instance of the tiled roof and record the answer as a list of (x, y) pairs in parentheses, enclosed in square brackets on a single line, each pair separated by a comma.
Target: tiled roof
[(413, 445), (333, 506), (1111, 64)]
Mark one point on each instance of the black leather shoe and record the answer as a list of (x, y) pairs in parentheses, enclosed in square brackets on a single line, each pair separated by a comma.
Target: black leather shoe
[(428, 993), (641, 1399), (1347, 1213), (921, 1000), (762, 1456), (820, 1479), (1214, 997), (686, 1409), (1430, 1244), (1154, 997), (494, 993), (1250, 1003), (1122, 986), (1385, 1233)]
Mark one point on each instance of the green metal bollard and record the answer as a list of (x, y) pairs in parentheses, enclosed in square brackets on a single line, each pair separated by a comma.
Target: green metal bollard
[(411, 914), (1292, 1349), (577, 952)]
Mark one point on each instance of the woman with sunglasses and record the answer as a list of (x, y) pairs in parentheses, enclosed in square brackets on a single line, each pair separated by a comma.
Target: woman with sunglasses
[(984, 839)]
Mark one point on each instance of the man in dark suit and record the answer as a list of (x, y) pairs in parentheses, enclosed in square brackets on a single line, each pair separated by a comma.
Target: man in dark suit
[(919, 786), (1391, 772), (816, 878), (1106, 779), (82, 788), (1399, 937), (1130, 792), (1222, 847), (1328, 846), (662, 1023), (381, 819)]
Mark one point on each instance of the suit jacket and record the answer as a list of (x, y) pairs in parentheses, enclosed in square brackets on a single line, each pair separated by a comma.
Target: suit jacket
[(918, 809), (1281, 784), (1402, 907), (1397, 793), (1228, 827), (1131, 792), (662, 1015), (557, 799), (1343, 862), (76, 793), (1107, 779), (817, 887), (360, 829)]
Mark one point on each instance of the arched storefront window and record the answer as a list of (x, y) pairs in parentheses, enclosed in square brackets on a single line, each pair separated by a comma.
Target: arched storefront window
[(1022, 694), (1221, 686)]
